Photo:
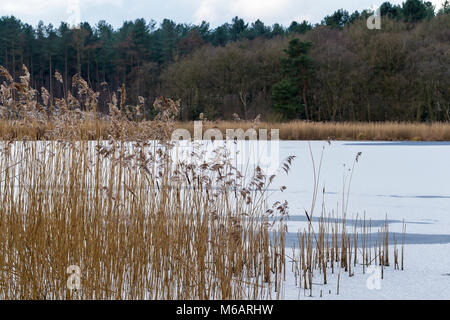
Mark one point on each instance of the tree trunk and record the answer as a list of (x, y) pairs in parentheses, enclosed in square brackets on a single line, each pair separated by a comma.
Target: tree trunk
[(304, 100), (50, 76)]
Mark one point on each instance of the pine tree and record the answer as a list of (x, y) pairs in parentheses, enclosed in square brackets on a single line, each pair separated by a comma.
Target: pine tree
[(290, 94)]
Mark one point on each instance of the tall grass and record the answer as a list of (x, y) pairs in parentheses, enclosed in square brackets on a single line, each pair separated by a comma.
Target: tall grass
[(327, 245), (296, 130), (139, 224), (379, 131), (108, 194)]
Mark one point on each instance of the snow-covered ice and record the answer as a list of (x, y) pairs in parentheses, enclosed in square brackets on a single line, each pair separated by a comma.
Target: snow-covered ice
[(403, 180)]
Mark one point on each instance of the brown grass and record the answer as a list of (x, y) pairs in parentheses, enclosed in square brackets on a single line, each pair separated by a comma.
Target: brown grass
[(296, 130), (380, 131), (136, 223), (326, 245), (95, 193)]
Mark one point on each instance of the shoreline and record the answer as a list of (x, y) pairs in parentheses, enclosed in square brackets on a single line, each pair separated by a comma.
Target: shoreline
[(288, 131), (345, 131)]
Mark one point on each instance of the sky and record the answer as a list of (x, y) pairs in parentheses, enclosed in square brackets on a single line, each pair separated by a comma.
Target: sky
[(216, 12)]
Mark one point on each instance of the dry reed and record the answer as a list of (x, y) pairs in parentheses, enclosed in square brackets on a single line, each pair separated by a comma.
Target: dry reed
[(104, 193), (332, 245), (295, 130), (377, 131), (110, 199)]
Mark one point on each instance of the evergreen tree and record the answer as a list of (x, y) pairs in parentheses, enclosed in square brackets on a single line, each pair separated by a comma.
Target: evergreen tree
[(277, 30), (416, 10), (220, 35), (355, 69), (238, 28), (337, 20), (300, 27), (290, 94), (390, 10)]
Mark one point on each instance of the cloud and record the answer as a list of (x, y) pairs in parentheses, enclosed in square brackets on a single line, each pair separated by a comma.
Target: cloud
[(55, 11), (190, 11), (40, 7), (18, 7), (214, 10)]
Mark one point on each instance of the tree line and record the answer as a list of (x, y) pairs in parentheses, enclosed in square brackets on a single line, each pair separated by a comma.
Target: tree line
[(337, 70)]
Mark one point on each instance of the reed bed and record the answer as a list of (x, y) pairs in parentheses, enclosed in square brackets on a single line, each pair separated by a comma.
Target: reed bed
[(295, 130), (105, 193), (328, 246), (334, 250), (137, 223), (137, 227), (355, 131)]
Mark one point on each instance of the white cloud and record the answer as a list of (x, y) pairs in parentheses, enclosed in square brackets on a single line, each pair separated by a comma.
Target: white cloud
[(250, 10), (39, 7), (438, 3), (190, 11), (259, 8), (55, 11), (17, 7)]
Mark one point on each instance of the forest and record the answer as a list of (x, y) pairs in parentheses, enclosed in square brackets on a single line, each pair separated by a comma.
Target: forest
[(336, 70)]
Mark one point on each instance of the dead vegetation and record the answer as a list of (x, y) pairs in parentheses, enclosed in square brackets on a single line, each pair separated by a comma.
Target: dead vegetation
[(104, 193), (138, 224), (328, 246), (355, 131)]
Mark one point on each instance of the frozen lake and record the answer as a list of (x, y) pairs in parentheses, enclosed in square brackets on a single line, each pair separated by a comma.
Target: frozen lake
[(403, 180)]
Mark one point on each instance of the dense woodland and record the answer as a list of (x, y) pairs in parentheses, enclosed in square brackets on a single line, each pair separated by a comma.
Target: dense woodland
[(337, 70)]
